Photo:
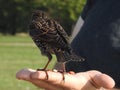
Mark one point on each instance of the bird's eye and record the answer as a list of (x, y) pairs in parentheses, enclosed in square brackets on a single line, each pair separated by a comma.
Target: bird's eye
[(35, 17)]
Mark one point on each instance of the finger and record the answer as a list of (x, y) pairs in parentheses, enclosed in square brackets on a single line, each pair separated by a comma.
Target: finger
[(101, 80), (24, 74), (104, 80), (52, 76)]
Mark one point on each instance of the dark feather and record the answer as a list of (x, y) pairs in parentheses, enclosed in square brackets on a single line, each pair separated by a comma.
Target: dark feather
[(50, 37)]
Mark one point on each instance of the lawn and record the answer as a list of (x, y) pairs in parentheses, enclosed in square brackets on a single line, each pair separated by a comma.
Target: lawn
[(17, 52)]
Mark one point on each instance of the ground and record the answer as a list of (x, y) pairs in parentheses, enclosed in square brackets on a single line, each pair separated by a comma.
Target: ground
[(17, 52)]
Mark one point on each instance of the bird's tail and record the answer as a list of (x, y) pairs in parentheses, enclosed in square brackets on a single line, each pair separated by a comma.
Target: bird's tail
[(64, 56)]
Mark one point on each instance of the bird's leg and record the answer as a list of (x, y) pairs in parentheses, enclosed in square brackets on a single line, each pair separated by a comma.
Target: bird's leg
[(45, 66), (63, 71), (44, 69)]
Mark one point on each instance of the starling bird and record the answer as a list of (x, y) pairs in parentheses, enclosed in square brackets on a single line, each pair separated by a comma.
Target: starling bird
[(50, 38)]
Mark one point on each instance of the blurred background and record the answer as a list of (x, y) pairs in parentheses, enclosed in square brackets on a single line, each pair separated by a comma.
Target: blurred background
[(17, 50)]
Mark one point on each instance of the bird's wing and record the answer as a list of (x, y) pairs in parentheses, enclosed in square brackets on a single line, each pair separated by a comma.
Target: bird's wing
[(61, 32)]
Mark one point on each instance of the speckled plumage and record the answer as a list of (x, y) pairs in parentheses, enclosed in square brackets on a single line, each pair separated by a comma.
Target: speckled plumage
[(50, 38)]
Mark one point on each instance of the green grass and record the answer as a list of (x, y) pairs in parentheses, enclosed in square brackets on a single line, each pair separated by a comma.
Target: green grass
[(18, 52)]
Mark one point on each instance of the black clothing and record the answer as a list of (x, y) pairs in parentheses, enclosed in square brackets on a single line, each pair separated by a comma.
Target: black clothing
[(99, 39)]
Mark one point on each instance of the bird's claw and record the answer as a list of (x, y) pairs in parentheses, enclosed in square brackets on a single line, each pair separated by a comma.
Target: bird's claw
[(47, 76)]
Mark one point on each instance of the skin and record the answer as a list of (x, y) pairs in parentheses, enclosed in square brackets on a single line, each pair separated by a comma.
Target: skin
[(90, 80)]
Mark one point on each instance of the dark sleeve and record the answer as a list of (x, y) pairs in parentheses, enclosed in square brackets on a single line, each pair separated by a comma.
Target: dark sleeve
[(99, 39)]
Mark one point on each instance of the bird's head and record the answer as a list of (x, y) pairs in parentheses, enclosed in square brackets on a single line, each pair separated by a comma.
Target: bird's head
[(38, 23), (38, 19)]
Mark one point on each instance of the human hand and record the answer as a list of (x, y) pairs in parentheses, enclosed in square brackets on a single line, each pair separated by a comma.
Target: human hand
[(90, 80)]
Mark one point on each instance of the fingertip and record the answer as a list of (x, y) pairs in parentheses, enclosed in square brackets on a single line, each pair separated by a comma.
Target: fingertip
[(71, 72), (103, 80), (24, 74)]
